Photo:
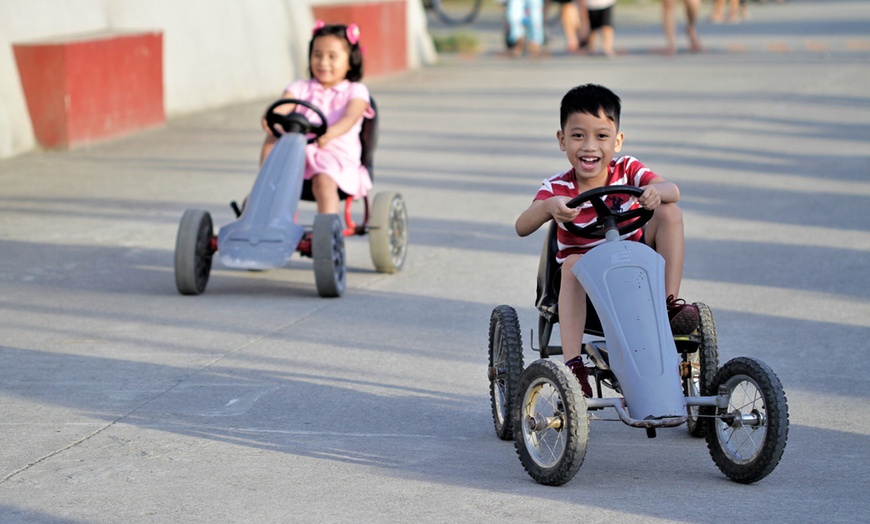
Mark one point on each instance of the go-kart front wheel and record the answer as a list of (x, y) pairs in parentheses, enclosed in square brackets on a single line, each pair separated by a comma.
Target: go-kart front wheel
[(327, 251), (551, 428), (505, 367), (193, 252), (747, 438), (388, 232), (703, 365)]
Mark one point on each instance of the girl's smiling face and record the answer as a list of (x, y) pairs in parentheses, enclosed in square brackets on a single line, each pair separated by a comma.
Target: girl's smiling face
[(330, 60), (590, 141)]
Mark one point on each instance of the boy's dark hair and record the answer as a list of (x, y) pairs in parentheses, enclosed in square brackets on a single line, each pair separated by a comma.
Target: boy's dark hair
[(591, 99), (355, 73)]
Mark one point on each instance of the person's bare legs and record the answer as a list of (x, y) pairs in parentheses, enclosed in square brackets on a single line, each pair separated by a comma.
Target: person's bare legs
[(718, 15), (570, 17), (268, 144), (692, 9), (607, 40), (572, 322), (664, 233), (669, 24), (325, 193), (572, 310)]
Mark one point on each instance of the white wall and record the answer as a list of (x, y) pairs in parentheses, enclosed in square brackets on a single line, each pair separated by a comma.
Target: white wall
[(215, 52)]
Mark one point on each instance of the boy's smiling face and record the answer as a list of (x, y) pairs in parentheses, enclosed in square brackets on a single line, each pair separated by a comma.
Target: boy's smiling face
[(590, 141)]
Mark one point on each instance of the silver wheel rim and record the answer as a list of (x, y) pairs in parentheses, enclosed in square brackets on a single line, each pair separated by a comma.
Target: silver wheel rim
[(397, 231), (743, 439), (539, 411)]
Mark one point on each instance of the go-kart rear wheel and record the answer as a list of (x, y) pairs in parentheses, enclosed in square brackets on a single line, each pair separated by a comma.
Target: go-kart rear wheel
[(327, 251), (505, 367), (703, 365), (551, 428), (747, 438), (193, 252), (388, 232)]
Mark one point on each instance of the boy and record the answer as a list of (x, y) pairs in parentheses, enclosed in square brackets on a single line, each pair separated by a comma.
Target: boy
[(590, 137)]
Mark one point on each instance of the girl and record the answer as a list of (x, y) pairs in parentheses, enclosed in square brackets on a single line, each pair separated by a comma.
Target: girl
[(332, 163)]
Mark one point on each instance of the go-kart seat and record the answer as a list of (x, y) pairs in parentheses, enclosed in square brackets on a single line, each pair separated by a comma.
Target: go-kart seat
[(368, 137), (549, 280)]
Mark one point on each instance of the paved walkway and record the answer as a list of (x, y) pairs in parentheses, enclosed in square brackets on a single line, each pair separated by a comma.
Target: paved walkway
[(122, 401)]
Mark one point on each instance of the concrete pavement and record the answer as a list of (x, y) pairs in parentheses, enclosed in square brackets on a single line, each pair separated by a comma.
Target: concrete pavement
[(122, 401)]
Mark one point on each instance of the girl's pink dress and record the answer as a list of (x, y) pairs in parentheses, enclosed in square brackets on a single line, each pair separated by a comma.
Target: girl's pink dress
[(340, 159)]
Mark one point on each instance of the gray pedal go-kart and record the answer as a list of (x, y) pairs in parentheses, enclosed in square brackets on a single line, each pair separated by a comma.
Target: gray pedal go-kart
[(655, 379), (266, 234)]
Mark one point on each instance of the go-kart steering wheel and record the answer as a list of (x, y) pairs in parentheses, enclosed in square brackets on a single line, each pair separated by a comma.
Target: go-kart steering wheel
[(294, 122), (624, 221)]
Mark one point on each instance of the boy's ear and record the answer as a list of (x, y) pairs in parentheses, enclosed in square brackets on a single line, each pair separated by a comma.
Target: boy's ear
[(560, 136), (619, 138)]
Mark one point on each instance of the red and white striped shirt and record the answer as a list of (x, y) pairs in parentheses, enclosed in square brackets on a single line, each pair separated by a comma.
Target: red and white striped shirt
[(623, 171)]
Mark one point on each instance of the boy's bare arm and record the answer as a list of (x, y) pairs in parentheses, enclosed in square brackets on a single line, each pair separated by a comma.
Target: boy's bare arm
[(541, 211), (658, 192)]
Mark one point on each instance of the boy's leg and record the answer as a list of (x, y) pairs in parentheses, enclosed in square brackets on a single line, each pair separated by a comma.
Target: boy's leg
[(572, 322), (664, 233), (325, 192)]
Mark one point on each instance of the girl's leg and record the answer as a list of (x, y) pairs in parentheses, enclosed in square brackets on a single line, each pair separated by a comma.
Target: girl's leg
[(268, 143), (325, 193)]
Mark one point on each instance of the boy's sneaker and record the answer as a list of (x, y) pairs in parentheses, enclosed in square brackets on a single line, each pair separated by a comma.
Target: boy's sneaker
[(684, 318), (579, 369)]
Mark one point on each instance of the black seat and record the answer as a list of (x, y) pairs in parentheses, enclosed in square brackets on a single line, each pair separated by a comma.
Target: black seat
[(368, 137), (549, 280)]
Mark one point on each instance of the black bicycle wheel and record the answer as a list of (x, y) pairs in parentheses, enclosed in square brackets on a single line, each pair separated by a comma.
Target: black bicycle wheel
[(193, 252), (703, 365), (551, 427), (747, 438), (505, 367)]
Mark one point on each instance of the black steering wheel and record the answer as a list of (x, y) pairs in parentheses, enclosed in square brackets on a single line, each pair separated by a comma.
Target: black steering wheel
[(294, 122), (624, 221)]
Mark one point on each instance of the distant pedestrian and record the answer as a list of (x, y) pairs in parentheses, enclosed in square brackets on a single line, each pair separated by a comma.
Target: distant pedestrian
[(525, 20), (737, 11), (669, 24), (575, 23), (601, 22)]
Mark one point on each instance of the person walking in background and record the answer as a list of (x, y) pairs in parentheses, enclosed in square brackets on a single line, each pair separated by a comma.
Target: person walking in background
[(521, 14), (601, 22), (669, 24), (736, 11), (575, 23)]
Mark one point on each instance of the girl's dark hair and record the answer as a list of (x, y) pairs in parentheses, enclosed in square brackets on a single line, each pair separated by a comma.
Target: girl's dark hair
[(591, 99), (355, 73)]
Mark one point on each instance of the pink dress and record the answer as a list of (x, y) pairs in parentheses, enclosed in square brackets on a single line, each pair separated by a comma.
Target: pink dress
[(340, 159)]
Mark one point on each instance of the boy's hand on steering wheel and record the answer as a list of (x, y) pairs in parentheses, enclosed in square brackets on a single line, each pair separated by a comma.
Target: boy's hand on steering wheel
[(651, 198), (559, 211)]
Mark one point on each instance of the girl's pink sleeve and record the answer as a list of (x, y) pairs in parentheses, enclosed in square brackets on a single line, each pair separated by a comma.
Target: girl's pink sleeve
[(358, 90)]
